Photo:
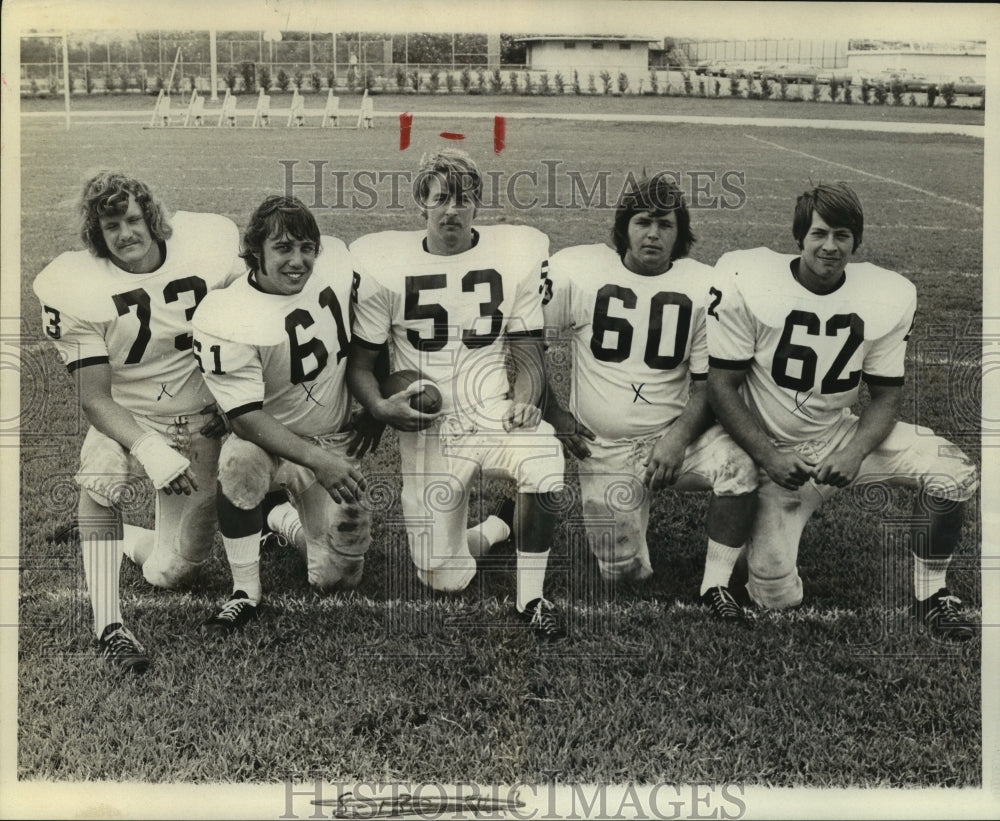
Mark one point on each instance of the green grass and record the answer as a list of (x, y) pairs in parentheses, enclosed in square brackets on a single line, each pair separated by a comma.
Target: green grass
[(392, 683)]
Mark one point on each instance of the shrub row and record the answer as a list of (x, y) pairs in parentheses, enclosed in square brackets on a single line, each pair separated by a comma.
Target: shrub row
[(247, 78)]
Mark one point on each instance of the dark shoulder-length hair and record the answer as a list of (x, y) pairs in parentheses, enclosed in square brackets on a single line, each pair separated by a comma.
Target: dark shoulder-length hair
[(275, 216), (659, 195)]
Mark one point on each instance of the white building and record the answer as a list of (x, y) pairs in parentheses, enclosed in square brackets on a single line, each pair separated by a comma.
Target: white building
[(590, 56)]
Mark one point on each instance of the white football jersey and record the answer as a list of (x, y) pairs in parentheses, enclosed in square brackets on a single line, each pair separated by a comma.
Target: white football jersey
[(140, 324), (806, 353), (446, 316), (285, 354), (636, 339)]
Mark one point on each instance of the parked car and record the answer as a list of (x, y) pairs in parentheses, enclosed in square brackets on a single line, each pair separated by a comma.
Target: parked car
[(968, 85), (702, 66), (723, 68), (756, 70), (791, 73), (911, 82), (841, 75)]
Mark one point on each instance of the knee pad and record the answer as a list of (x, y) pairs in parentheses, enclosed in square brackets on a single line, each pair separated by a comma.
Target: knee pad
[(776, 594), (245, 472)]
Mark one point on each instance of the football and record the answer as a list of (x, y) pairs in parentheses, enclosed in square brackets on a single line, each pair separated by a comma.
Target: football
[(427, 401)]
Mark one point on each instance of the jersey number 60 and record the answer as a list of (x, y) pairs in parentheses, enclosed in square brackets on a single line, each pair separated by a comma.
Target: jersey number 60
[(603, 323)]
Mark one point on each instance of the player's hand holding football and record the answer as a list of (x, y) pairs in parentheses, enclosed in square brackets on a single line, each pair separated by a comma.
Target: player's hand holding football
[(522, 415), (571, 432), (397, 411), (664, 461), (788, 469), (839, 468), (343, 482)]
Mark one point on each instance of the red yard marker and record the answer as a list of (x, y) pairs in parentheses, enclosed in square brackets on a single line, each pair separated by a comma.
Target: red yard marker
[(499, 134), (405, 122)]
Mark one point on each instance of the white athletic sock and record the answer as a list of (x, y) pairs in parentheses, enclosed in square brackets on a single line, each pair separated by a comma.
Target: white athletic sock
[(284, 520), (138, 543), (530, 577), (486, 534), (719, 563), (929, 576), (102, 563), (244, 562)]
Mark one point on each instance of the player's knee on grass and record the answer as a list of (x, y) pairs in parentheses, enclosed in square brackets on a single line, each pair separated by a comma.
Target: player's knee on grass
[(447, 573), (776, 594), (619, 545), (245, 472), (331, 571), (169, 570), (338, 563), (452, 576)]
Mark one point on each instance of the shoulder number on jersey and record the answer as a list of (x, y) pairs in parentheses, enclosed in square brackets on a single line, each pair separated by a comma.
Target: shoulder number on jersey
[(419, 305), (835, 381), (52, 327), (603, 324)]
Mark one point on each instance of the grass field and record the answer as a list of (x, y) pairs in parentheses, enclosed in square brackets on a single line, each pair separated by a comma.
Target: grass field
[(388, 683)]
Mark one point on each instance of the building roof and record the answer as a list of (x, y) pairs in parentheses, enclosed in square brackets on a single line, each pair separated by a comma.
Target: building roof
[(609, 38)]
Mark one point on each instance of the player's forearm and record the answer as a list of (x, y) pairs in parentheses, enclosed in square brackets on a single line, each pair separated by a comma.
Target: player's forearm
[(696, 418), (267, 432), (734, 415), (529, 368), (875, 423), (552, 408), (361, 378), (110, 418)]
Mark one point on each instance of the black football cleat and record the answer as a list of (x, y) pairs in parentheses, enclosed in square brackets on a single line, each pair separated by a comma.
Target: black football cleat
[(544, 620), (236, 612), (122, 650), (724, 606), (941, 614)]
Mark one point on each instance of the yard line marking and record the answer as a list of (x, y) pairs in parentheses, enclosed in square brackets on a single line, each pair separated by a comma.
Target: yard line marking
[(867, 174)]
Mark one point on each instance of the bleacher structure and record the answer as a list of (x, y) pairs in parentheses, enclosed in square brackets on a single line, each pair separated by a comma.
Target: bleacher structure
[(262, 114), (161, 111), (196, 113), (195, 109)]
